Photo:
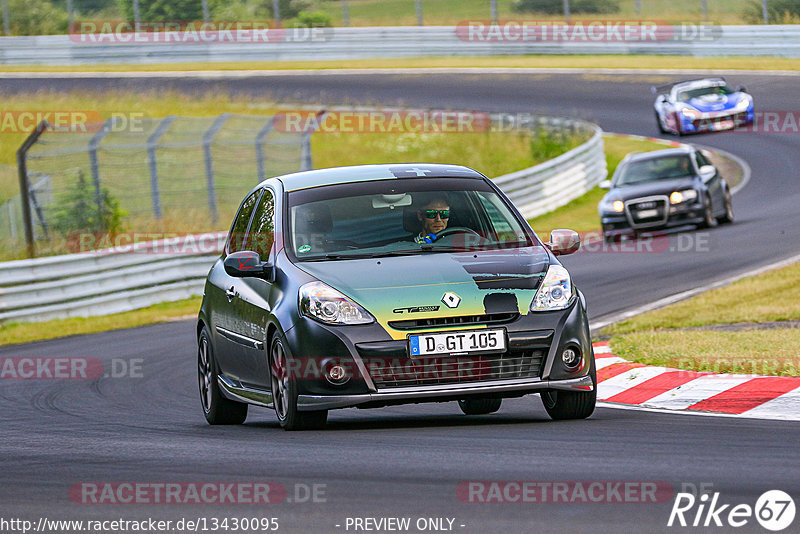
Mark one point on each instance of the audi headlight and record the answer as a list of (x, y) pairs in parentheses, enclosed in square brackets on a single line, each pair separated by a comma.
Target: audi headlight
[(323, 303), (555, 292), (687, 195), (612, 205)]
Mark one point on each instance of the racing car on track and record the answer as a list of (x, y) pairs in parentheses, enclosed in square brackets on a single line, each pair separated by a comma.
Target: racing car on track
[(664, 189), (704, 105), (378, 285)]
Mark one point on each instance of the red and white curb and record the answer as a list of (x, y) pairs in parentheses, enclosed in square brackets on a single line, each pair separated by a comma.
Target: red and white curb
[(624, 382)]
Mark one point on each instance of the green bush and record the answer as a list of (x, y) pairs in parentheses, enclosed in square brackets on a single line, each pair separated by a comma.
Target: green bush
[(76, 210), (36, 17), (556, 7), (313, 19), (166, 10), (778, 11)]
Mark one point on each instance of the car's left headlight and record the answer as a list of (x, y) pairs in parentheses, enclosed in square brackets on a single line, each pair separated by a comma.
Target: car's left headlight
[(744, 103), (323, 303), (690, 113), (555, 292), (687, 195)]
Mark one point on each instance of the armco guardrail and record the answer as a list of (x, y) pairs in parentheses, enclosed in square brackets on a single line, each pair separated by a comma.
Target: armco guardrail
[(388, 42), (552, 184), (106, 281), (130, 277)]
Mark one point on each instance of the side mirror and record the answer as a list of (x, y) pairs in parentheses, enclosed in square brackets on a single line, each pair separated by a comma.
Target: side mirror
[(605, 184), (707, 172), (563, 242), (245, 264)]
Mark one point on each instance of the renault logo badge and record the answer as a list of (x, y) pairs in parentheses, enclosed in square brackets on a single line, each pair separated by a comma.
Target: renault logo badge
[(451, 300)]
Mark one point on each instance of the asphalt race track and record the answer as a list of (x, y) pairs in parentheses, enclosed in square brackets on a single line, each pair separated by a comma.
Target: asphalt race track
[(147, 426)]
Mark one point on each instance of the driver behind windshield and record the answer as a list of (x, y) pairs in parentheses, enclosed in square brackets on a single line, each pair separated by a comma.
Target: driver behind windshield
[(433, 216)]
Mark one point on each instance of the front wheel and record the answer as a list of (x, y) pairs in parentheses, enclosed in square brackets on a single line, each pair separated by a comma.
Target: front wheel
[(571, 404), (708, 214), (217, 409), (728, 217), (479, 406), (284, 392), (660, 125)]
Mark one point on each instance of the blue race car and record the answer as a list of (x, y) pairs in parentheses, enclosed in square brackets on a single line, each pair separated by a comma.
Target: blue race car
[(705, 105)]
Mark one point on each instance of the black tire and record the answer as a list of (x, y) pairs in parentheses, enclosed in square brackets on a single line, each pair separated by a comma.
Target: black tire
[(658, 122), (284, 392), (708, 214), (728, 217), (479, 406), (218, 409), (562, 405)]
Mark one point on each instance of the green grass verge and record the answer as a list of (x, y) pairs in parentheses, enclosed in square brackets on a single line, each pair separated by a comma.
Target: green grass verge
[(772, 296), (553, 61), (763, 352), (13, 333)]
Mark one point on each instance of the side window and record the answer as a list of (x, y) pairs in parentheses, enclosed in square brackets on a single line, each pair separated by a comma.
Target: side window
[(262, 231), (236, 239), (700, 160)]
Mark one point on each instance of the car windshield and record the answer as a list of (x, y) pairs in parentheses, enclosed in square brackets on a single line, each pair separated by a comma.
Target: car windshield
[(400, 217), (689, 94), (648, 170)]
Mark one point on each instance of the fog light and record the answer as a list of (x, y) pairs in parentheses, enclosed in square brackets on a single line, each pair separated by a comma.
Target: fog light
[(335, 373), (570, 357)]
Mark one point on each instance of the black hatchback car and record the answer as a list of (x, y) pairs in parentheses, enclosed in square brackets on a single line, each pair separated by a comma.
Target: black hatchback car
[(664, 189), (377, 285)]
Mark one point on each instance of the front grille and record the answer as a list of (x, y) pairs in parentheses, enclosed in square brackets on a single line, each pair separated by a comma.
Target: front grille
[(463, 320), (404, 372), (649, 211)]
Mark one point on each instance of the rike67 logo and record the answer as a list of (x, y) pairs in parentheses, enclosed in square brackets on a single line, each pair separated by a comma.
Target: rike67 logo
[(774, 510)]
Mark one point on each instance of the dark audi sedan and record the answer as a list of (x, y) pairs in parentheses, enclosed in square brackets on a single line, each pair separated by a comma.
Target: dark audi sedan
[(664, 189), (379, 285)]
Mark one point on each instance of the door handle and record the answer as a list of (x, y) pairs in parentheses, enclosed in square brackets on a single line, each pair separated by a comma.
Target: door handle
[(230, 293)]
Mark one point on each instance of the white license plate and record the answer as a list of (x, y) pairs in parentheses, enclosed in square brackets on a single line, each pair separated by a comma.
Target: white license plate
[(722, 125), (466, 342), (646, 214)]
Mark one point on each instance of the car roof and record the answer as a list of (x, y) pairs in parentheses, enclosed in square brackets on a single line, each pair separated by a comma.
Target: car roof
[(655, 154), (363, 173)]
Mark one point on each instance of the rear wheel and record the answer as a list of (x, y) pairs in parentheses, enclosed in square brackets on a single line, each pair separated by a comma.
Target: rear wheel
[(284, 392), (479, 406), (217, 409), (571, 404), (728, 217)]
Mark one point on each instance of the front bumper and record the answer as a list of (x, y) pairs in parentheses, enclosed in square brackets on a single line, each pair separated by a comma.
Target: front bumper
[(679, 215), (442, 392), (717, 121), (537, 338)]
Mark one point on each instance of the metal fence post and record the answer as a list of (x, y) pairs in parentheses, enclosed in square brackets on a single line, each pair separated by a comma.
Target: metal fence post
[(208, 137), (765, 11), (493, 10), (306, 163), (262, 175), (24, 192), (345, 13), (93, 164), (151, 162), (276, 12), (566, 10), (419, 12)]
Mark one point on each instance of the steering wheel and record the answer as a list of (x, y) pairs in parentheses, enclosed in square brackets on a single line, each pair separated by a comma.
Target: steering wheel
[(456, 230)]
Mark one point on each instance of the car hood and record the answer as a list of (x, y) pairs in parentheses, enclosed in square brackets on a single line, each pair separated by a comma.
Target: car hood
[(712, 102), (656, 187), (413, 287)]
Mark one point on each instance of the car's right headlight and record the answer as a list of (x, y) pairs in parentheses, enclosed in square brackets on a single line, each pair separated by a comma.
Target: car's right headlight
[(323, 303), (555, 292), (690, 113), (617, 206)]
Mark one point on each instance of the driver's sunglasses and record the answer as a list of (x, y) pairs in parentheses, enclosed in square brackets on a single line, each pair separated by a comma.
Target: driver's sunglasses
[(431, 214)]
